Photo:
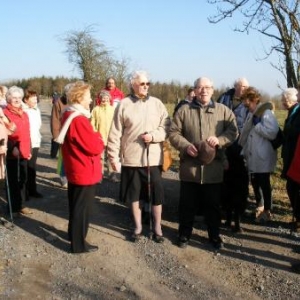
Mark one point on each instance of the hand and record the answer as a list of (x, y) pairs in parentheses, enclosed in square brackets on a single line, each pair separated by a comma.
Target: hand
[(213, 141), (116, 167), (146, 137), (191, 150)]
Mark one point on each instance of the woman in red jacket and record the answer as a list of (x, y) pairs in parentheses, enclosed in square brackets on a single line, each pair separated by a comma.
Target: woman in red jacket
[(18, 151), (81, 151)]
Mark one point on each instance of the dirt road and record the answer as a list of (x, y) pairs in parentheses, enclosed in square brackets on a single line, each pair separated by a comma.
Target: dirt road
[(36, 263)]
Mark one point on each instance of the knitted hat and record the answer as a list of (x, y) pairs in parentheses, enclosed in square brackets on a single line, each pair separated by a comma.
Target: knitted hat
[(206, 153)]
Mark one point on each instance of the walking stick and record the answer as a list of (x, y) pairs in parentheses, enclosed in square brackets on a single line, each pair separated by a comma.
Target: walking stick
[(149, 191), (8, 197)]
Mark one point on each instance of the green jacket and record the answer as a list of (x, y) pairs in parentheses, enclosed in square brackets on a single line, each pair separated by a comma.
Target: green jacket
[(190, 125)]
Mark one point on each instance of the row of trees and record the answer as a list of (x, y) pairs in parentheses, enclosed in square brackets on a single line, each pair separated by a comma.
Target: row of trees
[(169, 93)]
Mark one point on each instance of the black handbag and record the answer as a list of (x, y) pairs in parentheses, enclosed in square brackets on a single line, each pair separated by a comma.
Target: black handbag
[(278, 141)]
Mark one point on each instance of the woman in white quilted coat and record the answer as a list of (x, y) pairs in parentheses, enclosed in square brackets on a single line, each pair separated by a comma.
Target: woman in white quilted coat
[(260, 128)]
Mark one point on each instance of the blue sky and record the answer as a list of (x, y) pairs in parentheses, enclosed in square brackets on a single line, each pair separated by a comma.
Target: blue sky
[(172, 40)]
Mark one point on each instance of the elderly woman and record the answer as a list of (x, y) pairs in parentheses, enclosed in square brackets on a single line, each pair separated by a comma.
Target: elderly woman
[(260, 128), (291, 131), (136, 140), (102, 116), (18, 152), (81, 151), (35, 122)]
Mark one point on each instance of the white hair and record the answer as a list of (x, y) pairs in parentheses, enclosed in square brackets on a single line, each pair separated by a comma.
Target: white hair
[(290, 94), (136, 75), (200, 79), (14, 89), (241, 80)]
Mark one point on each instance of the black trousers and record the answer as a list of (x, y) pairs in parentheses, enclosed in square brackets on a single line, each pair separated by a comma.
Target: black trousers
[(31, 171), (208, 197), (54, 149), (80, 204), (17, 179), (261, 184), (293, 191)]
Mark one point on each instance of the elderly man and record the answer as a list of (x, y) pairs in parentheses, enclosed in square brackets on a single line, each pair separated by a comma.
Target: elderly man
[(201, 131), (236, 179), (135, 140)]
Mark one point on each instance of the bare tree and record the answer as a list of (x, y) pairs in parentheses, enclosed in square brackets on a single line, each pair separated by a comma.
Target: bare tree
[(276, 19), (93, 59)]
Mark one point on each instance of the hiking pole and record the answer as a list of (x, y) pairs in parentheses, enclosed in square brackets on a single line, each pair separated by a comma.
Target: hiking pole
[(149, 190), (8, 197)]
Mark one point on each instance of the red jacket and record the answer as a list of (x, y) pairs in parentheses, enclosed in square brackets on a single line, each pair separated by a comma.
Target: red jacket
[(114, 94), (81, 152), (21, 137)]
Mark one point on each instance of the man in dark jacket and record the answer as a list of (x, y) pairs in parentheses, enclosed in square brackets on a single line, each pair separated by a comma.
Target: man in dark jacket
[(201, 165)]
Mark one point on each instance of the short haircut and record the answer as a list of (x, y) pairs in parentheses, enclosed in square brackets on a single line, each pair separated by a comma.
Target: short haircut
[(14, 89), (241, 80), (29, 94), (290, 94), (77, 91), (251, 94), (104, 93), (200, 79)]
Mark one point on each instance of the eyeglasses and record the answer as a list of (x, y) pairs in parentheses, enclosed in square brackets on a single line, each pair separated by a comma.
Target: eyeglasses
[(145, 83), (204, 87)]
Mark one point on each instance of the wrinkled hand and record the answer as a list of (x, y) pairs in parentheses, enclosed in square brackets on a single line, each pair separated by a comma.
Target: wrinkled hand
[(191, 150), (213, 141), (146, 137)]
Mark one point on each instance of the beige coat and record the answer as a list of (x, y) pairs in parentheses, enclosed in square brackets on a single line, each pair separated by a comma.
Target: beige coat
[(190, 125), (132, 118)]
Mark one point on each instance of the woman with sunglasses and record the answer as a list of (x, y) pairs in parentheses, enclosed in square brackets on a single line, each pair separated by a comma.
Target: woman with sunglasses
[(135, 142)]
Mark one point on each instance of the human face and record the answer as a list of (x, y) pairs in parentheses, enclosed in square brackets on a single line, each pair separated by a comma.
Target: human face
[(105, 100), (32, 101), (285, 103), (15, 99), (250, 105), (141, 86), (111, 84), (86, 100), (204, 90), (240, 88)]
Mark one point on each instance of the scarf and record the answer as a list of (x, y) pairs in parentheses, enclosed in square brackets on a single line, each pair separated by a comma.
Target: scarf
[(15, 110), (76, 110)]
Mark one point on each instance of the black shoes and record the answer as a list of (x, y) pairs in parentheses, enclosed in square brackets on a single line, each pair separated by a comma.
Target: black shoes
[(157, 238), (36, 195), (217, 243), (88, 249), (183, 242)]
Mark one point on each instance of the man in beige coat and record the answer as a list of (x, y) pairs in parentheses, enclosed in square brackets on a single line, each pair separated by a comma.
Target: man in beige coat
[(201, 175)]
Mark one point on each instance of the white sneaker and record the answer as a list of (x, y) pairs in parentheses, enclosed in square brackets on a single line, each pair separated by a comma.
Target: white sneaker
[(64, 182)]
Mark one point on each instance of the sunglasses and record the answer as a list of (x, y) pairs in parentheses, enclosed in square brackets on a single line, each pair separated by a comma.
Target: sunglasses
[(144, 83)]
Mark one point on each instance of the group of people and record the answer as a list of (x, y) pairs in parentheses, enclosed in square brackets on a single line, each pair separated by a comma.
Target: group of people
[(222, 146), (21, 140)]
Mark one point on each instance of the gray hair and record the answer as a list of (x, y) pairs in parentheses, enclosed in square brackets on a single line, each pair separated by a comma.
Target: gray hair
[(136, 75), (104, 93), (14, 89), (290, 94), (241, 80), (200, 79)]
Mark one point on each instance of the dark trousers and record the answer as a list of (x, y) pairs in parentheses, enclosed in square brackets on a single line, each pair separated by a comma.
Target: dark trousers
[(54, 149), (293, 191), (193, 195), (80, 204), (31, 171), (17, 178), (262, 188)]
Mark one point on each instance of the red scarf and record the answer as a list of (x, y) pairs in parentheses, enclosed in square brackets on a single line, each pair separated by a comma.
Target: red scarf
[(15, 110)]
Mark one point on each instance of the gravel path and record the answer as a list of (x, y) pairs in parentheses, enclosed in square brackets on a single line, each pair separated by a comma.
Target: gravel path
[(36, 263)]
